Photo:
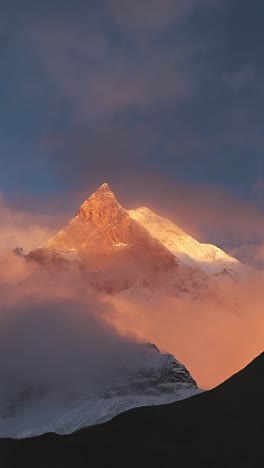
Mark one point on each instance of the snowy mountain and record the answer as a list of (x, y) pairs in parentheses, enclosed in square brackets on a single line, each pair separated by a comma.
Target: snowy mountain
[(105, 241), (132, 253), (103, 231), (156, 379), (219, 428), (124, 250)]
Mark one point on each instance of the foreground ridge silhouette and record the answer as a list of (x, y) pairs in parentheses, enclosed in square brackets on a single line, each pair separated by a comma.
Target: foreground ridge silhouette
[(219, 428)]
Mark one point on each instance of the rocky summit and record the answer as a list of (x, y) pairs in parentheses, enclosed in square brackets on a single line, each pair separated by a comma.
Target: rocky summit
[(121, 249), (103, 235)]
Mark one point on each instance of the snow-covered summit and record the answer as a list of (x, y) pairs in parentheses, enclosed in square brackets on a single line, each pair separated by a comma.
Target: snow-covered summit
[(125, 248), (102, 236), (188, 250)]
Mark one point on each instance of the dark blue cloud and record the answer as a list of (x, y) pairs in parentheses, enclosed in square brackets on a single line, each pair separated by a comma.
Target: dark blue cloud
[(97, 90)]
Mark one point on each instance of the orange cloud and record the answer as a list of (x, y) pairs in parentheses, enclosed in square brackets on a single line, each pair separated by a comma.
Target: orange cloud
[(53, 334), (214, 336)]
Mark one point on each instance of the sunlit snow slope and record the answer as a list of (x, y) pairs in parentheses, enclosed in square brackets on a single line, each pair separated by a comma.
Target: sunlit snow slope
[(207, 257)]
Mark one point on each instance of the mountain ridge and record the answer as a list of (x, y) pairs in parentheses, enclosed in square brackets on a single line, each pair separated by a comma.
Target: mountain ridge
[(123, 248), (101, 230), (221, 427), (208, 257), (154, 378)]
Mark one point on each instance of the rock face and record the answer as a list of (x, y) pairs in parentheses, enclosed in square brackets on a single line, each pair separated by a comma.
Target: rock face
[(121, 249), (104, 236), (156, 379), (19, 251)]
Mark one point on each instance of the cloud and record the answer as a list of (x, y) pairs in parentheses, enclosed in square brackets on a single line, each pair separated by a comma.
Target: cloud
[(148, 19), (53, 335), (103, 58), (100, 77), (215, 336), (105, 82), (61, 345), (239, 79)]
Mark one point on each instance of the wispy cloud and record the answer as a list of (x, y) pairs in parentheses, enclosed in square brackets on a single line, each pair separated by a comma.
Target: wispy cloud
[(239, 79), (215, 337)]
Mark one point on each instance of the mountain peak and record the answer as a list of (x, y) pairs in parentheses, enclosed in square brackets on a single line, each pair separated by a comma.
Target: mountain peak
[(103, 190), (102, 200), (103, 235)]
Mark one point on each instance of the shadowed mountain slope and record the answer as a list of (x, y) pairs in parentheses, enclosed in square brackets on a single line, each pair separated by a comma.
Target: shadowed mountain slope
[(220, 428)]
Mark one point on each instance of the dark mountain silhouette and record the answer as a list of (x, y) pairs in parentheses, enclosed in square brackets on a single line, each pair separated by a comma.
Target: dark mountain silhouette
[(221, 428)]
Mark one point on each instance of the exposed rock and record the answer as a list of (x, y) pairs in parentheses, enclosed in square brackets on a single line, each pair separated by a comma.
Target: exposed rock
[(103, 238)]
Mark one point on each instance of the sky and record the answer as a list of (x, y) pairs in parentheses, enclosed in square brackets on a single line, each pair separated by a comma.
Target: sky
[(163, 99)]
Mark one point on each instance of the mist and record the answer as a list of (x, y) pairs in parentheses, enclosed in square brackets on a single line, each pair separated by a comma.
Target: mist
[(53, 335), (214, 336), (56, 329), (21, 228)]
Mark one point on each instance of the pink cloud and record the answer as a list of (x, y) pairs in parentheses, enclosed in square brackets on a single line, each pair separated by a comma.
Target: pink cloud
[(20, 228), (214, 337)]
